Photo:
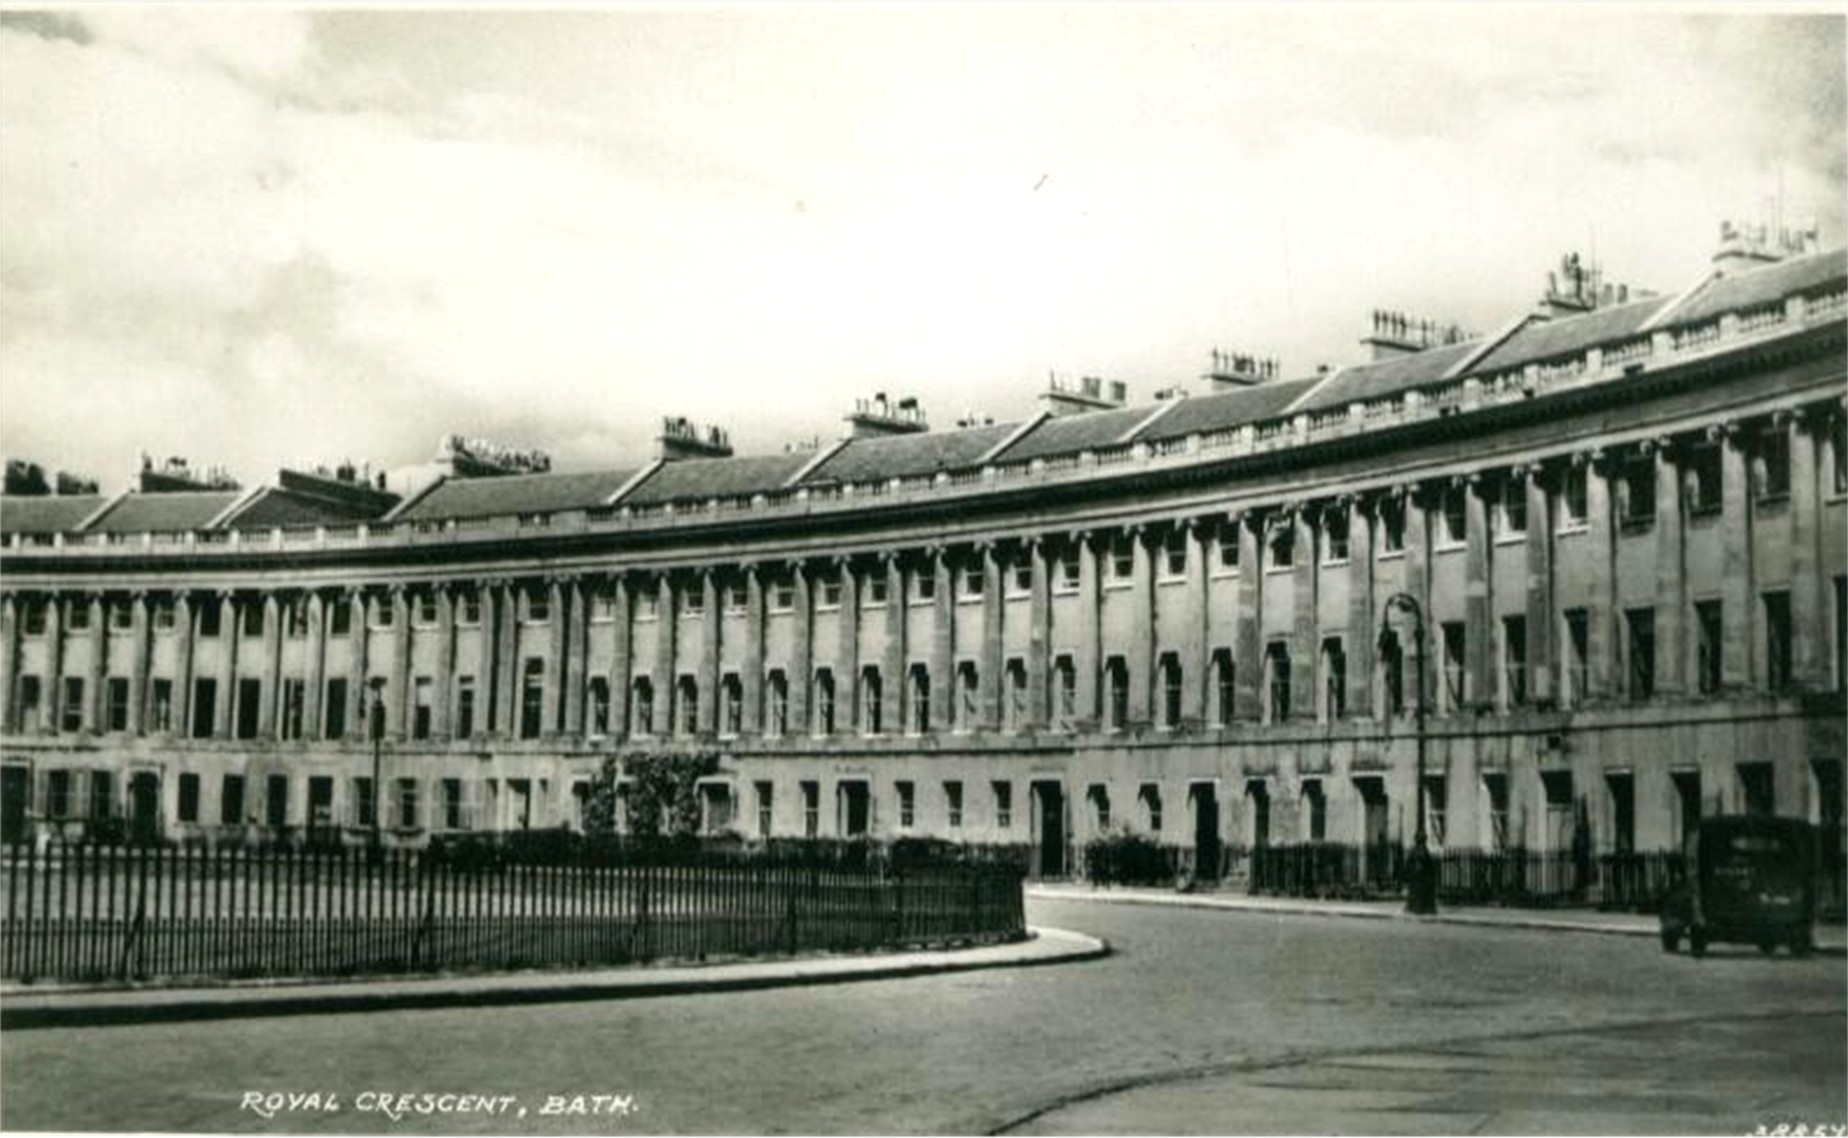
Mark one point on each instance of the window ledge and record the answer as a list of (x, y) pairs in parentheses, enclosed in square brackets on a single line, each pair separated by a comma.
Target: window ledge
[(1511, 538), (1448, 546), (1165, 582), (1572, 529), (1274, 570), (1391, 554), (1336, 562)]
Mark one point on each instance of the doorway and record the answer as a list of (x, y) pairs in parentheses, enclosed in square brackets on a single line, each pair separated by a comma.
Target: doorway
[(15, 787), (1049, 824), (144, 807), (1205, 799), (854, 803)]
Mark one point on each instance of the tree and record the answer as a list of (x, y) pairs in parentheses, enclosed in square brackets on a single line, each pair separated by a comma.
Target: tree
[(663, 792)]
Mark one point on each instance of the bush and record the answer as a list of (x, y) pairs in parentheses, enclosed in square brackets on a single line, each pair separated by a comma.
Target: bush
[(1124, 858)]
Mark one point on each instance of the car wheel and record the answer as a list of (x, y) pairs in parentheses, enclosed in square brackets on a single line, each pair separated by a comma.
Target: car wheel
[(1697, 942), (1800, 944), (1671, 940), (1767, 947)]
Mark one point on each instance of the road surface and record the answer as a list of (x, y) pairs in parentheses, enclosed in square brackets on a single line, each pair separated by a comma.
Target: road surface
[(1202, 1022)]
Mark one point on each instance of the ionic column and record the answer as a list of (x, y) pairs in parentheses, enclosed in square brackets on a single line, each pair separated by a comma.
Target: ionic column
[(1671, 581), (752, 677), (506, 659), (943, 693), (138, 661), (231, 628), (1478, 595), (801, 650), (709, 671), (1090, 631), (667, 608), (847, 681), (1360, 608), (621, 651), (1601, 547), (359, 606), (1736, 587), (994, 597), (1248, 647), (1140, 656), (1417, 582), (1305, 569), (271, 664), (313, 688), (186, 623), (99, 654), (1197, 653), (577, 658), (1039, 633), (401, 696), (443, 683), (52, 702), (9, 662), (892, 677), (1809, 643), (1540, 618), (560, 678)]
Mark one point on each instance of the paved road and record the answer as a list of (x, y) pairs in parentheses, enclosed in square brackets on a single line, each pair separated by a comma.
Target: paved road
[(1203, 1022)]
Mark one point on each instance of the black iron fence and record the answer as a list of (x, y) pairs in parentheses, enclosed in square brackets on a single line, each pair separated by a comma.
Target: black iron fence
[(1518, 877), (91, 912)]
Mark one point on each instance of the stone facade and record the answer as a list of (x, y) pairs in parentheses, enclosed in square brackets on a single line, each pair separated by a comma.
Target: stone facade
[(1630, 556)]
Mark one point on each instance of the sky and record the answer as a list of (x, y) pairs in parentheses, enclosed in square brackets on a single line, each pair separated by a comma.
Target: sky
[(262, 237)]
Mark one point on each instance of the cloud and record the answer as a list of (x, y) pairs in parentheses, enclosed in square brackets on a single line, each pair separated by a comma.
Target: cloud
[(266, 237)]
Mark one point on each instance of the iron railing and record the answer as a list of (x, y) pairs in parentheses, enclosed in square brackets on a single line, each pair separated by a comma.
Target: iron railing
[(94, 912)]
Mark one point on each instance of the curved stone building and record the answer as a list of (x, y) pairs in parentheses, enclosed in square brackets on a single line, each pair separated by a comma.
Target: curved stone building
[(1623, 520)]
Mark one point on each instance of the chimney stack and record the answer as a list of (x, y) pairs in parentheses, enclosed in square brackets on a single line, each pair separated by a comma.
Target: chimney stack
[(1744, 247), (1233, 370), (1062, 397), (879, 417), (682, 438)]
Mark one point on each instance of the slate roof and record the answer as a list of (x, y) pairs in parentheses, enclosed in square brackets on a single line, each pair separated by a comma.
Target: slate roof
[(697, 479), (902, 456), (165, 512), (275, 506), (1201, 413), (1068, 434), (516, 494), (50, 513), (1570, 335), (1387, 377), (1761, 286)]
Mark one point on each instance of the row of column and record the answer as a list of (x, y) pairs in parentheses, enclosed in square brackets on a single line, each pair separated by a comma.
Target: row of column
[(497, 681)]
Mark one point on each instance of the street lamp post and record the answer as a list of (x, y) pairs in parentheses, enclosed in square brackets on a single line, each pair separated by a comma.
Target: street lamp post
[(1420, 869), (375, 720)]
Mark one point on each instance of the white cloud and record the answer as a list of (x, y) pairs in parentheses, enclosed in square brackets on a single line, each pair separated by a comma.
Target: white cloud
[(280, 236)]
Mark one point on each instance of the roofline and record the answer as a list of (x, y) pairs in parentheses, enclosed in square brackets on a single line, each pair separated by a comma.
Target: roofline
[(1489, 344), (1028, 426), (1314, 390), (1679, 302), (238, 505), (1150, 419), (809, 467), (634, 481), (101, 512), (398, 510)]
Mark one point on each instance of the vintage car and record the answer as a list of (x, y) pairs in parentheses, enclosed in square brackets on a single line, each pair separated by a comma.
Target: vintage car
[(1748, 880)]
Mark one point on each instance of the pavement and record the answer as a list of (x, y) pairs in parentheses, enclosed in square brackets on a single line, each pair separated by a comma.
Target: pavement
[(37, 1005), (1829, 939)]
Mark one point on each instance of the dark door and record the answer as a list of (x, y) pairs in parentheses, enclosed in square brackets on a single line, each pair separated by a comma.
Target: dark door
[(15, 786), (1050, 815), (1206, 831), (856, 809), (144, 807), (320, 808)]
